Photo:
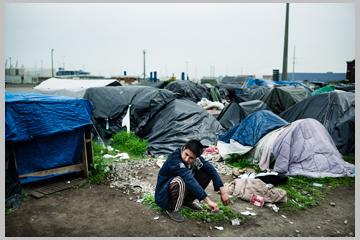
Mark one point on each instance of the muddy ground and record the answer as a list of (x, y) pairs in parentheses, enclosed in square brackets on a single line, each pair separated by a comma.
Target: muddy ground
[(101, 210)]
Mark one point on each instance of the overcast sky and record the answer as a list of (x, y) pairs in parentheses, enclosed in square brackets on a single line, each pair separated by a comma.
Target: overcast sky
[(234, 38)]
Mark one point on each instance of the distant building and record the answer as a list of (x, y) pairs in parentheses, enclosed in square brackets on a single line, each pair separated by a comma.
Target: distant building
[(126, 80), (62, 73), (350, 71), (312, 77)]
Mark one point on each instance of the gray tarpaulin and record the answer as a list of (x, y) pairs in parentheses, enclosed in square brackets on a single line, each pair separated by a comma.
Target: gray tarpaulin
[(336, 111)]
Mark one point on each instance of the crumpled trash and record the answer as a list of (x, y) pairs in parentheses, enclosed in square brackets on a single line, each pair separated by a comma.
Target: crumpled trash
[(247, 213), (120, 156), (317, 184), (219, 228), (235, 222), (110, 148), (156, 217), (273, 206)]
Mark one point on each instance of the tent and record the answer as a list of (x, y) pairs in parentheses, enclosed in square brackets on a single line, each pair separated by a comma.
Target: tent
[(234, 112), (111, 104), (72, 87), (47, 131), (281, 98), (179, 121), (253, 128), (305, 148), (259, 92), (336, 111), (188, 90)]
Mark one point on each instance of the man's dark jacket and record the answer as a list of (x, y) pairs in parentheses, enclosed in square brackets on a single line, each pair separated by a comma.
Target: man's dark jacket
[(174, 166)]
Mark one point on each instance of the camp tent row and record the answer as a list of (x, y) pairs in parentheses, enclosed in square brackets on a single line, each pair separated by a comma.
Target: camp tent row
[(168, 119)]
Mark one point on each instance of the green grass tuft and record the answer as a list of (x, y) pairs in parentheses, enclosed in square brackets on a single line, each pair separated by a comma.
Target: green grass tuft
[(100, 166), (226, 213), (130, 143), (242, 162)]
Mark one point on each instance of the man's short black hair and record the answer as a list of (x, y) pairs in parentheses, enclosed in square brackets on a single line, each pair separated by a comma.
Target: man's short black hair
[(195, 146)]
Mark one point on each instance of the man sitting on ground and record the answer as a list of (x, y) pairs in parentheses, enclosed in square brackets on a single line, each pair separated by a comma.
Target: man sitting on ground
[(183, 178)]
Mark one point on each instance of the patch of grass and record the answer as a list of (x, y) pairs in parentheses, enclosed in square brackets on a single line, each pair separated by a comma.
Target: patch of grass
[(241, 162), (226, 213), (8, 210), (100, 165), (130, 143), (350, 158), (303, 194)]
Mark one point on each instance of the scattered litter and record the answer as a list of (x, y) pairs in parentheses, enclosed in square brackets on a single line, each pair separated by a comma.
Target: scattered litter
[(219, 228), (249, 208), (346, 221), (297, 231), (247, 213), (109, 148), (318, 227), (273, 206), (68, 181), (283, 216), (130, 198), (156, 217), (112, 186), (210, 228), (139, 200), (291, 222), (194, 234), (257, 200), (332, 204), (235, 222), (317, 185)]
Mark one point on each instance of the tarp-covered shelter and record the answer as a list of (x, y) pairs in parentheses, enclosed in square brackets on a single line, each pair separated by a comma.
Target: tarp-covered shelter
[(188, 90), (253, 128), (259, 92), (336, 111), (305, 148), (281, 98), (72, 87), (111, 104), (234, 112), (328, 88), (178, 122), (234, 92), (47, 132)]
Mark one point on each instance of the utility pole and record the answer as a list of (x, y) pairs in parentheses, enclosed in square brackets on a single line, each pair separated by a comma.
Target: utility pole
[(144, 52), (285, 56), (187, 70), (52, 62), (293, 75)]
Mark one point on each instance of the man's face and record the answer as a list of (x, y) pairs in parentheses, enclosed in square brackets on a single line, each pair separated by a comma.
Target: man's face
[(188, 156)]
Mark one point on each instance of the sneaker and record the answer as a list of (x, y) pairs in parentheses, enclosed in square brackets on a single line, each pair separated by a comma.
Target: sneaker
[(193, 206), (175, 215)]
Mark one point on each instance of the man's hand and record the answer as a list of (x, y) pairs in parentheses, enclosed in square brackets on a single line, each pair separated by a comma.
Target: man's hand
[(224, 196), (212, 205)]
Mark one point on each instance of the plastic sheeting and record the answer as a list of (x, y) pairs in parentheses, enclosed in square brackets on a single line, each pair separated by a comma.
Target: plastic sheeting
[(253, 128), (188, 90), (178, 122), (47, 130), (336, 111), (323, 90), (72, 87), (281, 98), (234, 112), (111, 104), (305, 148), (30, 115)]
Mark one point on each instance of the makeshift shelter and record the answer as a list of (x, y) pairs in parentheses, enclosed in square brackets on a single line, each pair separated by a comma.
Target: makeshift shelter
[(253, 128), (234, 112), (180, 121), (325, 89), (111, 104), (46, 132), (188, 90), (305, 148), (234, 92), (281, 98), (336, 111), (72, 87), (259, 92)]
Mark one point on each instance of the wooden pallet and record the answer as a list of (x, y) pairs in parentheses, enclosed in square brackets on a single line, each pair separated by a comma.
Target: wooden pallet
[(44, 189)]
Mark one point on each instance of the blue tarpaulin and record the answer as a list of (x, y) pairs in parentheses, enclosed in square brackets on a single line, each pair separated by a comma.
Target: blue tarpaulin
[(47, 130), (249, 131)]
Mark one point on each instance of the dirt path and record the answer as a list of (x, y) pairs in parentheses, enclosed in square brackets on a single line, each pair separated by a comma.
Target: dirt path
[(99, 210)]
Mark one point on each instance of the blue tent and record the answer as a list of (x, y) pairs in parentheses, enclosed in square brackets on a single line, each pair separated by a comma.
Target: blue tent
[(249, 131), (47, 130)]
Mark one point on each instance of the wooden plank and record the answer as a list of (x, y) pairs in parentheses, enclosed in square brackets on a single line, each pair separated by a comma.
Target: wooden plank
[(76, 167), (84, 158), (35, 194)]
